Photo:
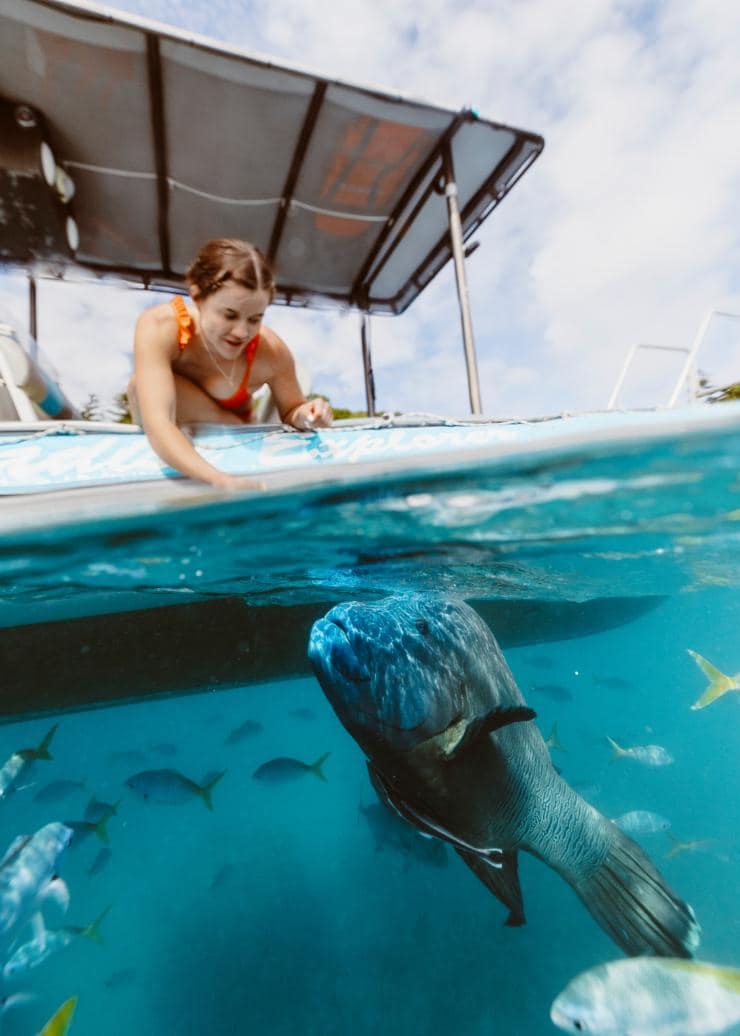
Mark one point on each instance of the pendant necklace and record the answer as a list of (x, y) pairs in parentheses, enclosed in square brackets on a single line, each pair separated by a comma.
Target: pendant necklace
[(229, 378)]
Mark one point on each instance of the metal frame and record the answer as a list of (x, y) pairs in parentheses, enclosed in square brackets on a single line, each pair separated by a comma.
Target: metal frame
[(688, 371), (304, 139)]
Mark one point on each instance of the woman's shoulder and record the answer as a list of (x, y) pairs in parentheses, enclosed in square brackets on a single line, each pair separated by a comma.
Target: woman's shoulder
[(271, 343), (161, 315), (158, 327)]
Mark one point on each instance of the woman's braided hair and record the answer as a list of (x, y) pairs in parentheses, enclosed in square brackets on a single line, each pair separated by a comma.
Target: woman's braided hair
[(228, 259)]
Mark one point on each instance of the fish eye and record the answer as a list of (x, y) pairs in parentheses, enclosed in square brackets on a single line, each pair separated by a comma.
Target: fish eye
[(423, 627), (579, 1025)]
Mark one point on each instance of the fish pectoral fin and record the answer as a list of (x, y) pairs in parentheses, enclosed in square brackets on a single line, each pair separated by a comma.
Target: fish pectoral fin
[(502, 716), (502, 880)]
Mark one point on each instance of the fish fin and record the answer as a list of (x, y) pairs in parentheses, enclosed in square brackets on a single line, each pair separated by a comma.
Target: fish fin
[(92, 931), (494, 720), (42, 750), (14, 848), (56, 890), (39, 929), (16, 1000), (101, 829), (617, 750), (423, 819), (552, 739), (631, 901), (503, 882), (60, 1021), (207, 787), (719, 682), (316, 767), (729, 978)]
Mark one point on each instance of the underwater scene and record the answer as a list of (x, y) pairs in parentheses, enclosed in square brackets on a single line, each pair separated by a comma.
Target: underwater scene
[(194, 840)]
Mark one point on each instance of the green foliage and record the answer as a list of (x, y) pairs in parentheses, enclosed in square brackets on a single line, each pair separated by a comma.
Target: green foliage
[(340, 413), (91, 410), (121, 409), (718, 395)]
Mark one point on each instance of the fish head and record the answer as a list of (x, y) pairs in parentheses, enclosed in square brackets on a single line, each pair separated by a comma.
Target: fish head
[(583, 1005), (51, 840), (404, 669)]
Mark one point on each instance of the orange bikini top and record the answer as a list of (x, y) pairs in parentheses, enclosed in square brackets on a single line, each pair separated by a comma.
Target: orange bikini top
[(240, 401)]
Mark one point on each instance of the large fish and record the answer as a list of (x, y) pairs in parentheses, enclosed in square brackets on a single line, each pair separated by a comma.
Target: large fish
[(420, 683)]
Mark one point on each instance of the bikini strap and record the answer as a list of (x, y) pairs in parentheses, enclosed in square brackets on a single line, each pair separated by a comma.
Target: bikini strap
[(184, 322)]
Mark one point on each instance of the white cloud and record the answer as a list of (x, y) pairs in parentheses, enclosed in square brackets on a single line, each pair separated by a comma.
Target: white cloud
[(625, 229)]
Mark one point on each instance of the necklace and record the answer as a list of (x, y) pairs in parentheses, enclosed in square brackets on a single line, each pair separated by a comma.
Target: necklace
[(228, 377)]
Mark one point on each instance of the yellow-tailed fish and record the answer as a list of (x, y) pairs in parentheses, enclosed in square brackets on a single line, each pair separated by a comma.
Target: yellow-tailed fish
[(719, 683), (650, 996), (60, 1021)]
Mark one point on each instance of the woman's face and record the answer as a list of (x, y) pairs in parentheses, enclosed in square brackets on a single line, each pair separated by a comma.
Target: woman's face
[(231, 317)]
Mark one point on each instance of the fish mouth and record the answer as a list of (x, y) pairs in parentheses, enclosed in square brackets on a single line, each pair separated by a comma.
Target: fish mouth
[(330, 649)]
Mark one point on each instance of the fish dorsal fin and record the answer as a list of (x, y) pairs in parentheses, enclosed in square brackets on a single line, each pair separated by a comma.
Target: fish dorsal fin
[(497, 718), (729, 978), (14, 848), (503, 882), (424, 821)]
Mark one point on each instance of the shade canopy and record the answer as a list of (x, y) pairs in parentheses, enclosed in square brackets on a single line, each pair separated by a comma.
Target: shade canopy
[(172, 139)]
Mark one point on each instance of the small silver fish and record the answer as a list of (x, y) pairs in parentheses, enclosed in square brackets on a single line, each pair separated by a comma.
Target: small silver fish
[(57, 791), (303, 713), (248, 728), (124, 977), (27, 874), (642, 822), (19, 761), (96, 810), (172, 788), (649, 755), (100, 862), (284, 769), (47, 942), (647, 996)]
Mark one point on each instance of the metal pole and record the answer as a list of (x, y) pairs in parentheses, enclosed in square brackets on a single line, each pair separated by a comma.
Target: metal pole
[(458, 246), (693, 351), (367, 365), (33, 317)]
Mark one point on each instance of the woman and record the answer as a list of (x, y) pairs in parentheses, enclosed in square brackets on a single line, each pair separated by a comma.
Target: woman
[(200, 361)]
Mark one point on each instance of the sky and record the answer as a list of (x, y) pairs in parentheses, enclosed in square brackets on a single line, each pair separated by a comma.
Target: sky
[(624, 231)]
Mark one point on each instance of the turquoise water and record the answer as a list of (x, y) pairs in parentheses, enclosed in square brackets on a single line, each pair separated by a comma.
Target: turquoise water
[(280, 911)]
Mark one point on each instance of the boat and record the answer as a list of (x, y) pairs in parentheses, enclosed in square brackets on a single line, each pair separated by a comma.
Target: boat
[(362, 198)]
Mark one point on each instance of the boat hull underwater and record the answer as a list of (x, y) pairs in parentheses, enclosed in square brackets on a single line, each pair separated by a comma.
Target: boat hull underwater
[(101, 546)]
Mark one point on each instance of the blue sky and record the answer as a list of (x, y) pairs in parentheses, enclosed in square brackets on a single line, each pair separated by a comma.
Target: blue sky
[(626, 229)]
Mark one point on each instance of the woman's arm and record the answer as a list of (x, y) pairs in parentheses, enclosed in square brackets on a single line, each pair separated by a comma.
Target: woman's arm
[(157, 402), (290, 401)]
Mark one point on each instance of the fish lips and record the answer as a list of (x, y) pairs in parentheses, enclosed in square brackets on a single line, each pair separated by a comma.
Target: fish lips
[(349, 651), (344, 678)]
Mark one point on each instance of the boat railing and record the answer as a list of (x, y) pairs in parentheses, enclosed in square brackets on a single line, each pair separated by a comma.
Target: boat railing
[(688, 377)]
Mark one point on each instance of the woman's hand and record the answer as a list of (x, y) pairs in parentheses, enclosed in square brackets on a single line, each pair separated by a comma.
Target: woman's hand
[(315, 413), (237, 483)]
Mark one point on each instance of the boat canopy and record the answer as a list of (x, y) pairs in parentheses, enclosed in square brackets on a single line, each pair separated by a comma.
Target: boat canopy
[(153, 140)]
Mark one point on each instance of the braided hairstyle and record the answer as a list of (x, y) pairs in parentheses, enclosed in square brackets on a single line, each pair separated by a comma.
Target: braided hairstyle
[(228, 259)]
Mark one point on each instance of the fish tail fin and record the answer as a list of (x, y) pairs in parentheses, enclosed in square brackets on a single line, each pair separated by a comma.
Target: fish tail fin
[(316, 767), (617, 751), (206, 788), (634, 905), (101, 828), (42, 750), (60, 1021), (719, 682), (92, 931), (553, 741)]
